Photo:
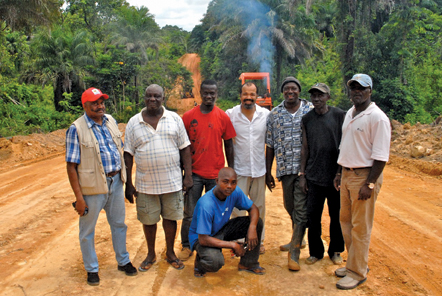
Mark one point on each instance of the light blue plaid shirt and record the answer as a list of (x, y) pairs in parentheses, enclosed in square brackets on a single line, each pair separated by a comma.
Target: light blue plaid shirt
[(110, 156)]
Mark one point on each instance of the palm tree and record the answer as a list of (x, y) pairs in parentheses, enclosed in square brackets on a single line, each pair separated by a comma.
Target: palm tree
[(137, 31), (23, 14), (62, 59), (278, 31)]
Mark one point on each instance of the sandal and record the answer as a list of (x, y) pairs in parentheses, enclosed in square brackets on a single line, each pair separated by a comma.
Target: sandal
[(199, 273), (257, 270), (177, 263), (146, 265)]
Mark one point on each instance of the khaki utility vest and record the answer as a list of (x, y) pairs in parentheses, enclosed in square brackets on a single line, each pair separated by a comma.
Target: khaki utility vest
[(91, 173)]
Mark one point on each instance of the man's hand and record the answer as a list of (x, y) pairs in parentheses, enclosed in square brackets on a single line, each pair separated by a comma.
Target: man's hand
[(252, 238), (364, 192), (238, 249), (80, 206), (130, 192), (303, 184), (187, 183), (337, 182), (270, 182)]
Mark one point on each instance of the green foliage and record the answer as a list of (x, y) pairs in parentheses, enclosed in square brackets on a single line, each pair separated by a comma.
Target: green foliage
[(324, 68), (226, 104), (120, 49), (26, 109)]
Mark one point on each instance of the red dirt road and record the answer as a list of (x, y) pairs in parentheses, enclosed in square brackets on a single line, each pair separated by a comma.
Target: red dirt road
[(40, 253)]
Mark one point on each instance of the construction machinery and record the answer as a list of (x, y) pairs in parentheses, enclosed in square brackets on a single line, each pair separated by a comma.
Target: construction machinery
[(263, 100)]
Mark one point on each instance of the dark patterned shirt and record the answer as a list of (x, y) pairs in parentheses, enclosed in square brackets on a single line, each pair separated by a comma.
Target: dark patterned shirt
[(284, 135)]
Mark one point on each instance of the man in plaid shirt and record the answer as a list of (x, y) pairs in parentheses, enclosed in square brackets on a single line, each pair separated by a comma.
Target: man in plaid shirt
[(96, 172)]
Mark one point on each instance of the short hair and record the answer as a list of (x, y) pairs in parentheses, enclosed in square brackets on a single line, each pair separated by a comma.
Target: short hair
[(209, 82), (249, 83)]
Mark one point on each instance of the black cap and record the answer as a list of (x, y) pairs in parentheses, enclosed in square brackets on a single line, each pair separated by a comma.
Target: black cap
[(290, 79)]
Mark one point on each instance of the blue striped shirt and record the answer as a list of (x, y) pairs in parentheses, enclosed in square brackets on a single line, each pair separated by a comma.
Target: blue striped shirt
[(110, 156)]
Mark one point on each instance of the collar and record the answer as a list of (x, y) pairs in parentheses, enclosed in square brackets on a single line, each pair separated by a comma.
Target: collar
[(258, 110), (166, 114), (302, 101), (367, 111), (91, 123)]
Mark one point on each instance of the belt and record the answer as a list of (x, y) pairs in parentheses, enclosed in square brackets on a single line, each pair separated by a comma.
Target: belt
[(354, 169), (111, 174)]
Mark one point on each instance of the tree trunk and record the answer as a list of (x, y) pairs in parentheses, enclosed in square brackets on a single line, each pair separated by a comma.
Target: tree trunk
[(58, 92), (348, 14), (279, 53)]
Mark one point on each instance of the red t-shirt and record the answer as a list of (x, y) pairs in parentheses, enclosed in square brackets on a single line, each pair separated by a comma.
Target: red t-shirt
[(206, 132)]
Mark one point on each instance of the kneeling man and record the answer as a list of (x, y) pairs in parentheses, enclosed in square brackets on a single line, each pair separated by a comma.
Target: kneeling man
[(212, 230)]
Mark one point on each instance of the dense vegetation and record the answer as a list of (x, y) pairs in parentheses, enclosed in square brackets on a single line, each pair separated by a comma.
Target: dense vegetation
[(52, 50)]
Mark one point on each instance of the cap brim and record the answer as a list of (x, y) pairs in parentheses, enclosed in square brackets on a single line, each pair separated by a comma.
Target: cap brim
[(317, 88), (360, 82)]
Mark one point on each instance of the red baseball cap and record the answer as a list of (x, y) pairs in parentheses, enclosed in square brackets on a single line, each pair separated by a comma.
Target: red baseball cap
[(92, 94)]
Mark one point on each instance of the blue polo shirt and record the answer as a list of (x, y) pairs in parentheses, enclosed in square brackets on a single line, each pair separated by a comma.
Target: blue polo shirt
[(211, 214)]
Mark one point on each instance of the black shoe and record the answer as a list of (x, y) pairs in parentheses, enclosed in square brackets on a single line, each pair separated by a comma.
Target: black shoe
[(93, 279), (129, 269)]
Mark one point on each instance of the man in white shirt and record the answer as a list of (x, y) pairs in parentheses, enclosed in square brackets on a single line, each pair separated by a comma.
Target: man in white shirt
[(157, 140), (249, 121), (364, 151)]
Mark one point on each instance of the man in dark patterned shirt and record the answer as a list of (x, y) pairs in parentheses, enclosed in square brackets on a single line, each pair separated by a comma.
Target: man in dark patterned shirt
[(283, 140)]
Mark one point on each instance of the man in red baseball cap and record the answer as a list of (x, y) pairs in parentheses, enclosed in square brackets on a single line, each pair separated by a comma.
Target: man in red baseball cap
[(96, 172)]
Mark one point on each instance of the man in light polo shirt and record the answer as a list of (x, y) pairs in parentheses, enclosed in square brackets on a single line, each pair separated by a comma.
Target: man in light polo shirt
[(364, 151), (158, 140)]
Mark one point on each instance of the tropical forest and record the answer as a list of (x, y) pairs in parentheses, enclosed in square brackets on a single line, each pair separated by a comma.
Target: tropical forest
[(53, 50)]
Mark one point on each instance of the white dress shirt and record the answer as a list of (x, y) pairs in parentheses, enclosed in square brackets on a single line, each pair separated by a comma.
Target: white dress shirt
[(249, 143)]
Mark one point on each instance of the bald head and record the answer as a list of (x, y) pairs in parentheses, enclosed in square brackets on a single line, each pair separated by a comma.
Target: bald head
[(225, 183), (226, 173), (155, 87)]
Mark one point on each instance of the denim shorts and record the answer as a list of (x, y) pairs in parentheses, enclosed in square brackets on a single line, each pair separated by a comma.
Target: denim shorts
[(151, 206)]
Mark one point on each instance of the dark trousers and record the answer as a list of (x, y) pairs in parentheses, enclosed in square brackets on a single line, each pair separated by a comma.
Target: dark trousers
[(212, 259), (190, 200), (315, 205)]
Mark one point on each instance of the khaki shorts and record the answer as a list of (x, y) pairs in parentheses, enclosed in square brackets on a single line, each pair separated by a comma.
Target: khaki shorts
[(151, 206)]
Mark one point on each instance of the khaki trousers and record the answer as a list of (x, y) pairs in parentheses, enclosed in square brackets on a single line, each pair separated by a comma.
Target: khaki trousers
[(357, 220), (255, 188)]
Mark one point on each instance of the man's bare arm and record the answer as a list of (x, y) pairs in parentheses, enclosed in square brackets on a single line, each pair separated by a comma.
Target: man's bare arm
[(186, 159), (130, 191), (75, 185), (228, 147)]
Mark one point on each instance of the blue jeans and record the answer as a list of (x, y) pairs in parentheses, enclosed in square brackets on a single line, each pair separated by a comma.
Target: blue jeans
[(190, 200), (113, 203)]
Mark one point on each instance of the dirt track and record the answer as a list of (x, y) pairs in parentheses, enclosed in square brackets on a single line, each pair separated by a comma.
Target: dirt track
[(40, 253)]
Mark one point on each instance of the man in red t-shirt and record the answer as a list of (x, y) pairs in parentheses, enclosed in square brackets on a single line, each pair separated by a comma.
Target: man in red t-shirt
[(207, 126)]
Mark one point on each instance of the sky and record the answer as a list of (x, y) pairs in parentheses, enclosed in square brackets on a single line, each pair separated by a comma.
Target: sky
[(185, 14)]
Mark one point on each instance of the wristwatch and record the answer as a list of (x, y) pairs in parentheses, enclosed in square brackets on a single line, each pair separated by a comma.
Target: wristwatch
[(301, 174), (370, 185)]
